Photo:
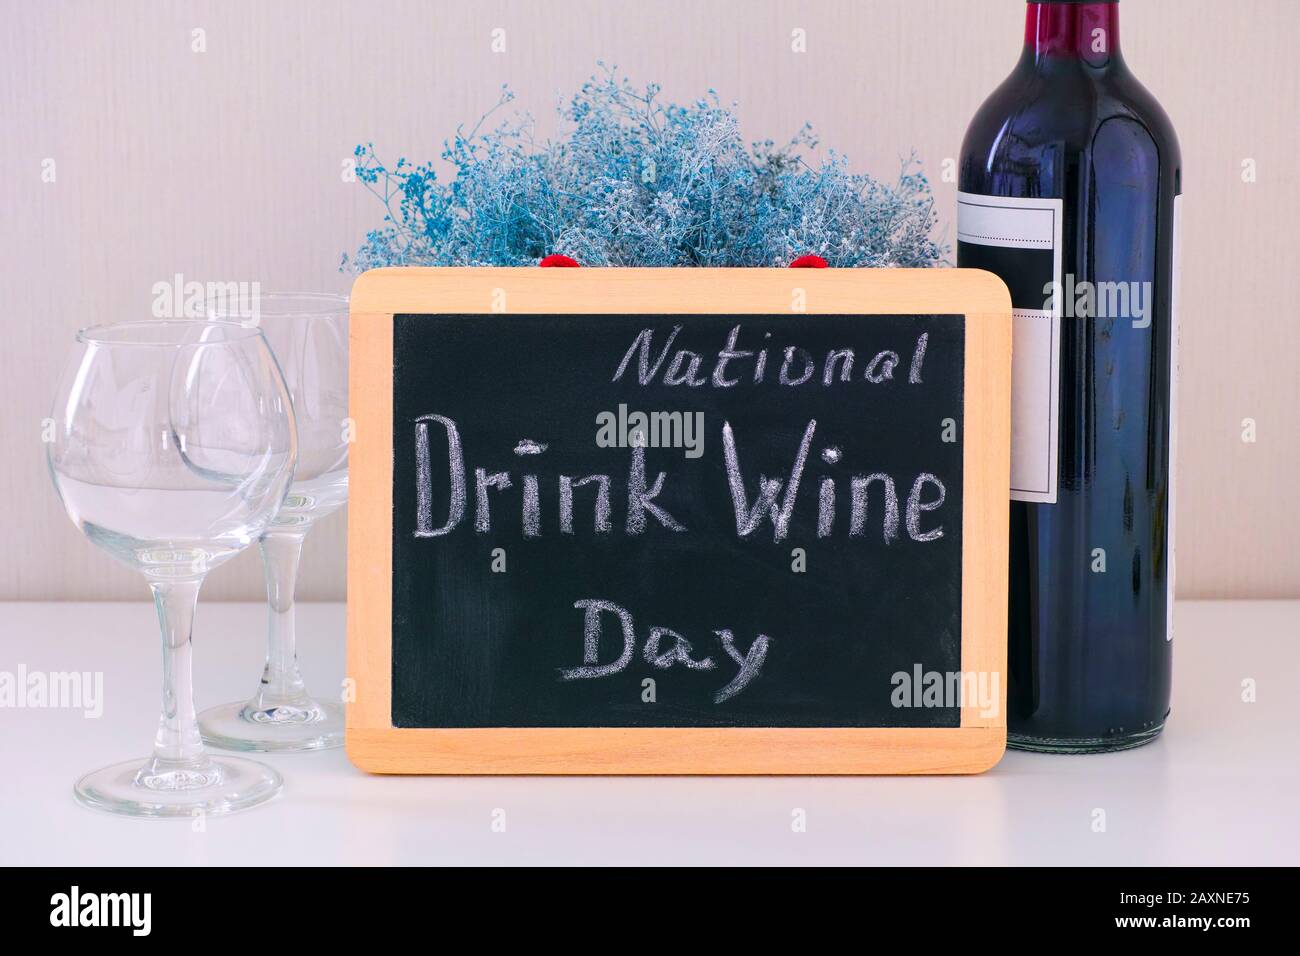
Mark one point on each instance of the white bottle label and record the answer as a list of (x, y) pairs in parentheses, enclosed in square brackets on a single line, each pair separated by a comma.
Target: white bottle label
[(1019, 240)]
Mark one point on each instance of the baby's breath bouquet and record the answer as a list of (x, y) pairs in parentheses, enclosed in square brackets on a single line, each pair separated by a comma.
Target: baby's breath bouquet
[(639, 182)]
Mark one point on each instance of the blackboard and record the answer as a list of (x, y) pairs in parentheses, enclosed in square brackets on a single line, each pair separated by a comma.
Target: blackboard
[(490, 604), (639, 521)]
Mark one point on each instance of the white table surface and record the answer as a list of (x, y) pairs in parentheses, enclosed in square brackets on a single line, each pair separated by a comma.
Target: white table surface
[(1221, 786)]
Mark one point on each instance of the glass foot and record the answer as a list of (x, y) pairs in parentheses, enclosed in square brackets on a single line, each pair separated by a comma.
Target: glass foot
[(315, 725), (209, 785)]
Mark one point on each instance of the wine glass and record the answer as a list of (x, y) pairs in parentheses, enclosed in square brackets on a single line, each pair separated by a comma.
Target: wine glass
[(309, 335), (174, 445)]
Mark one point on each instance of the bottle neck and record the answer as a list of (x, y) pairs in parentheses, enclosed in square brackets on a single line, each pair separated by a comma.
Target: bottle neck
[(1086, 32)]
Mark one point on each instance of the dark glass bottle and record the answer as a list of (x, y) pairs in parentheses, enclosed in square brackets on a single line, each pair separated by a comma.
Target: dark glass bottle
[(1070, 173)]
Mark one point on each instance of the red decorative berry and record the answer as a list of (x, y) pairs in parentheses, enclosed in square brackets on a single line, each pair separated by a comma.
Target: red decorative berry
[(809, 262), (563, 262)]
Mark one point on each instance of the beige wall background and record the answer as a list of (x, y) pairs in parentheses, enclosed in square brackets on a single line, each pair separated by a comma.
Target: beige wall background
[(226, 165)]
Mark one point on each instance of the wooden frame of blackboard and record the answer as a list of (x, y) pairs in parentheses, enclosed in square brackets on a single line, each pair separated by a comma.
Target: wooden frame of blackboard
[(375, 745)]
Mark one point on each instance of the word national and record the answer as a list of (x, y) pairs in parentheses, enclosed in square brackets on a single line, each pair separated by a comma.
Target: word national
[(790, 365)]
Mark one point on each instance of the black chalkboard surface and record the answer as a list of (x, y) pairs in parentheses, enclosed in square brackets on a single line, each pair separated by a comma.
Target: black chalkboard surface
[(678, 521), (797, 614)]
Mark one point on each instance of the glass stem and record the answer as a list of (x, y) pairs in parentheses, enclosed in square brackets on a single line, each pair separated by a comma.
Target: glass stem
[(177, 743), (282, 685)]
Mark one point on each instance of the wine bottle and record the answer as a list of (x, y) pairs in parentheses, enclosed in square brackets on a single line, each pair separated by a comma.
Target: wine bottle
[(1070, 182)]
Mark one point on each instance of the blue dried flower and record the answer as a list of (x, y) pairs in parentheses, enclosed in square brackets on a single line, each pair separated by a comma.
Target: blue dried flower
[(637, 182)]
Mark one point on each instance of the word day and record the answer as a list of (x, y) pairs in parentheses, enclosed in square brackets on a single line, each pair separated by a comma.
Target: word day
[(663, 648)]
